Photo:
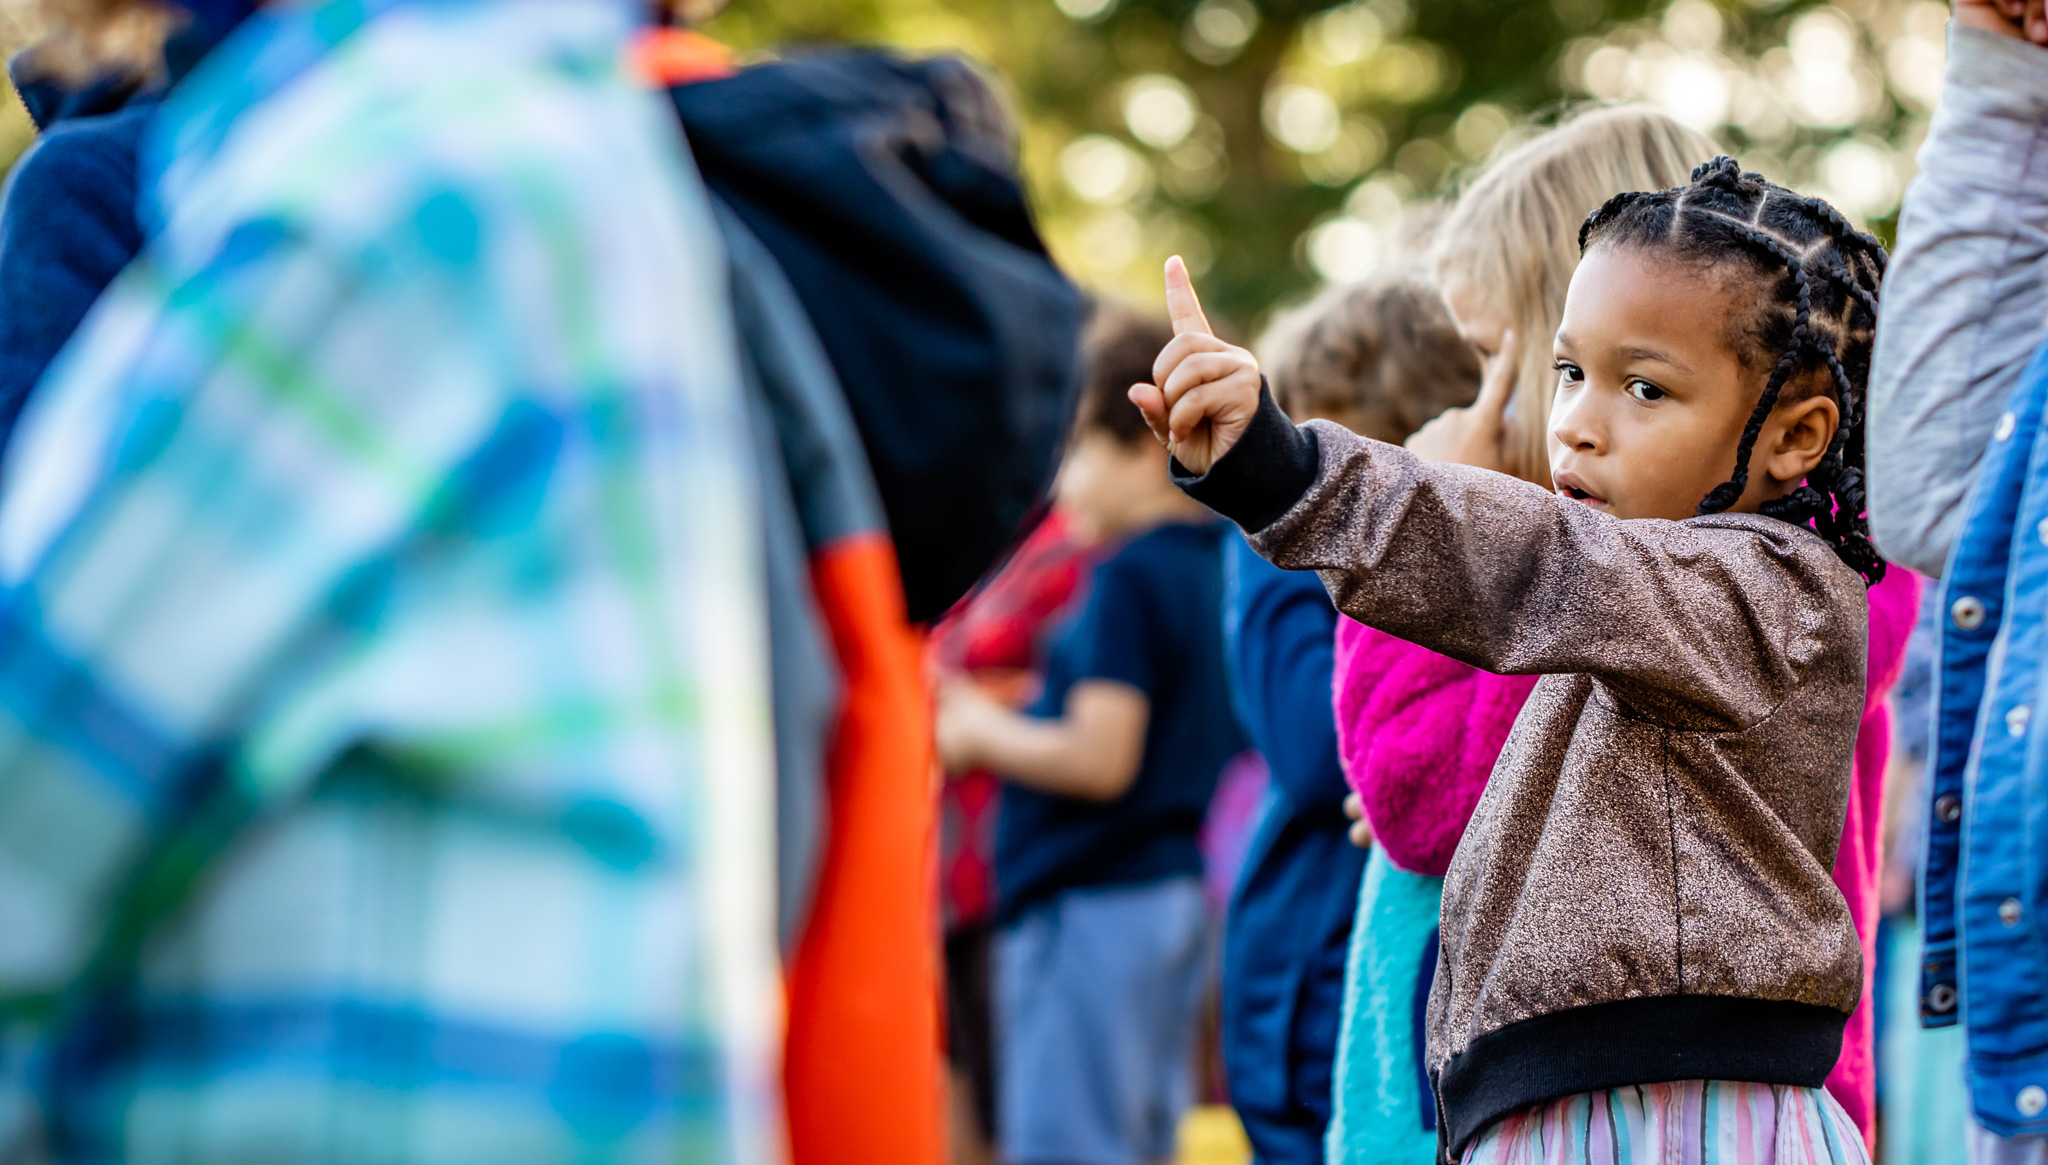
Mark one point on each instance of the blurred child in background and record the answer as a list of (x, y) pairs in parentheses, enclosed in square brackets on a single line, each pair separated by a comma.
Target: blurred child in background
[(68, 222), (998, 636), (1379, 358), (1102, 925), (1419, 731)]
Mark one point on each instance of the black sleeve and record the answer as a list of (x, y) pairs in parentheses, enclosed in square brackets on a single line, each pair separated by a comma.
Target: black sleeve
[(1263, 475)]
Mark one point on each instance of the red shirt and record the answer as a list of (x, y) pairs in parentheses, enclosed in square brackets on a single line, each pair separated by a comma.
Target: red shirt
[(998, 636)]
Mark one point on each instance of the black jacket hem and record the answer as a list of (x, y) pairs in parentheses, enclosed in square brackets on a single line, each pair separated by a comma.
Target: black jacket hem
[(1635, 1041)]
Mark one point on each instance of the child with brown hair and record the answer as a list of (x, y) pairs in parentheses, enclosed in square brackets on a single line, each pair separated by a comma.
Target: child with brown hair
[(1380, 358), (1102, 926)]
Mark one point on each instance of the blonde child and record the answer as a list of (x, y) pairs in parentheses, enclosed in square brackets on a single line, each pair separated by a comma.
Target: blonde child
[(1643, 953)]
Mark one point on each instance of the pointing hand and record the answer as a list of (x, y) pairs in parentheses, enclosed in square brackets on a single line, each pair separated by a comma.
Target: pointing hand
[(1204, 392)]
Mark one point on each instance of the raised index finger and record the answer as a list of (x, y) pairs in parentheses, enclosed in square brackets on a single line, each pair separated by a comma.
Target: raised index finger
[(1181, 305)]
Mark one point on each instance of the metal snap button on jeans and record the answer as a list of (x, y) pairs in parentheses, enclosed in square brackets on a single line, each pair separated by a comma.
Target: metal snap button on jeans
[(2031, 1100), (1967, 612), (2009, 912), (1941, 999), (2006, 422)]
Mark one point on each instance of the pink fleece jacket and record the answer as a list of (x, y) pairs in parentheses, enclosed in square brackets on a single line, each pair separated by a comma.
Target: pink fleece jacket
[(1419, 733), (1893, 605)]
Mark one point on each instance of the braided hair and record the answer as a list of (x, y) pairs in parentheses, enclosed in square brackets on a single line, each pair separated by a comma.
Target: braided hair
[(1815, 323)]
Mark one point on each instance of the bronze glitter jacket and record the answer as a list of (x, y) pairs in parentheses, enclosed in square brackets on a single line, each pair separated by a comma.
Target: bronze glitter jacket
[(1643, 893)]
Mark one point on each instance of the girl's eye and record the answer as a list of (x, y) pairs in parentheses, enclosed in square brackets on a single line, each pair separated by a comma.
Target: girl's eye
[(1568, 373), (1644, 391)]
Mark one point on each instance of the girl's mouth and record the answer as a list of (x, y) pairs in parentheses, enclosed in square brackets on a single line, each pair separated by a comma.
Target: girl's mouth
[(1579, 493)]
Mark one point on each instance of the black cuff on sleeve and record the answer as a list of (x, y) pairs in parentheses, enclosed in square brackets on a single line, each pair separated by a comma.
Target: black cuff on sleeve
[(1263, 475)]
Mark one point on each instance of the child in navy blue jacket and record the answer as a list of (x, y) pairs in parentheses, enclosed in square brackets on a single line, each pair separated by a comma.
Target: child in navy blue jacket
[(69, 219), (68, 222)]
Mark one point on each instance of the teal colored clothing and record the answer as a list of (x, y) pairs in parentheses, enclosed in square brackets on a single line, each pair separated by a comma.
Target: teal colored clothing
[(1379, 1099), (1923, 1106)]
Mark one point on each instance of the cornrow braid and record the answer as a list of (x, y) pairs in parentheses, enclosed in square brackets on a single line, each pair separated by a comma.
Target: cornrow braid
[(1721, 172), (1722, 496), (1607, 211), (1841, 229), (1855, 245), (1818, 319)]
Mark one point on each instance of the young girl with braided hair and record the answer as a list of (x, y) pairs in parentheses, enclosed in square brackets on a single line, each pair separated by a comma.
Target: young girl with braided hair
[(1643, 955), (1418, 732)]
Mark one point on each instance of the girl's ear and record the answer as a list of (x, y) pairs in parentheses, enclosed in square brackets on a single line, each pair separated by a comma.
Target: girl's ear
[(1796, 438)]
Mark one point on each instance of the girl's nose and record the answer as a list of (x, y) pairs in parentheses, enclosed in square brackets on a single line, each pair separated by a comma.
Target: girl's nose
[(1575, 424)]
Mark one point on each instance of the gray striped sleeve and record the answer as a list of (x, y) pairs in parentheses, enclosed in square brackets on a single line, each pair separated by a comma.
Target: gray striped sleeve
[(1966, 297)]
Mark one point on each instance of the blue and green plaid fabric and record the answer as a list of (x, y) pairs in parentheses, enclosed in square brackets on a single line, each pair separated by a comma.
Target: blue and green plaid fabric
[(384, 756)]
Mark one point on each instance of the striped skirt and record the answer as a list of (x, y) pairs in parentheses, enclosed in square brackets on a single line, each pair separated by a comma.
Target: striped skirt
[(1694, 1122)]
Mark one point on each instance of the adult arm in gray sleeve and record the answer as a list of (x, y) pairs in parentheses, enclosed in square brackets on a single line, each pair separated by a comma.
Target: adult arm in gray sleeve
[(1966, 297)]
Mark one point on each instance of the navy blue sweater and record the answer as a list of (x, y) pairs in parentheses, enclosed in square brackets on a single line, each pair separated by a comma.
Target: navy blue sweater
[(68, 225), (1290, 917)]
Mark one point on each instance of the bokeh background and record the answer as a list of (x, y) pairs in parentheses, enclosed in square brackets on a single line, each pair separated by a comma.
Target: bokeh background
[(1275, 143), (1280, 144)]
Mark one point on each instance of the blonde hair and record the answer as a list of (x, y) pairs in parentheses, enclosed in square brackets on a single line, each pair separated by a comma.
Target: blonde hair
[(1513, 238), (1380, 357)]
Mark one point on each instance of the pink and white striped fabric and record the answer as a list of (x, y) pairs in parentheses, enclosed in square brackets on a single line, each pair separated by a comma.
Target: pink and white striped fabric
[(1692, 1122)]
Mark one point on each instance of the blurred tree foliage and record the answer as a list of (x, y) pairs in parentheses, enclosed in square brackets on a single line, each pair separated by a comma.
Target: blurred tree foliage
[(1274, 142), (16, 130), (1148, 125)]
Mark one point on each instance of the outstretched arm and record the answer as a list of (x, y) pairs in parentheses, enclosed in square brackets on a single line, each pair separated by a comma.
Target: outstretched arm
[(1092, 750), (1966, 293), (1705, 623)]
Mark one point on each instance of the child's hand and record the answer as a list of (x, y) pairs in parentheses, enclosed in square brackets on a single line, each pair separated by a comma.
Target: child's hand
[(1360, 832), (1472, 435), (2022, 19), (963, 708), (1204, 392)]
